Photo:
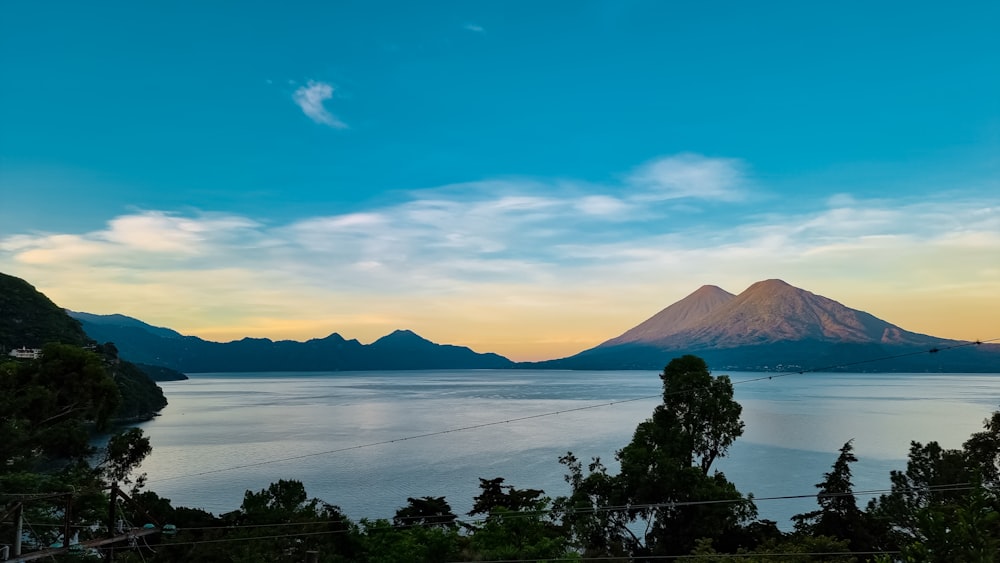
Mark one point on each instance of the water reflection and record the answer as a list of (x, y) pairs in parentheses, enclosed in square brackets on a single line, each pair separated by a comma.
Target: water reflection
[(794, 427)]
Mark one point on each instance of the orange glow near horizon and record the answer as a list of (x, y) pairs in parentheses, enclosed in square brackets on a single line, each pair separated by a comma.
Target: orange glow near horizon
[(540, 339), (522, 323)]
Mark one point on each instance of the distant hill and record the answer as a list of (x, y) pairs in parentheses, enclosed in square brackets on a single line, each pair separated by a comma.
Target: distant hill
[(773, 326), (160, 373), (29, 319), (121, 321), (403, 349)]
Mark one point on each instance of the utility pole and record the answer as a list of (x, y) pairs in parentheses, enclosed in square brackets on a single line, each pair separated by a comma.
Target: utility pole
[(111, 519), (66, 526), (18, 528), (114, 535)]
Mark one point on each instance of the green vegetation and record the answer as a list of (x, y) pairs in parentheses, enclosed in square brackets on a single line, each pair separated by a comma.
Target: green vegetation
[(141, 396), (29, 319), (49, 409), (665, 501), (44, 404), (666, 465)]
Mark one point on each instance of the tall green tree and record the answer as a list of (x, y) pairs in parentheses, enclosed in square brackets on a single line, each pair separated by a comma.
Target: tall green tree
[(666, 480), (669, 461), (838, 515)]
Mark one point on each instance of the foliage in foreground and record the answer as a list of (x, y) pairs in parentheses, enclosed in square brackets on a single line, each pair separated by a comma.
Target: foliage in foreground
[(666, 500)]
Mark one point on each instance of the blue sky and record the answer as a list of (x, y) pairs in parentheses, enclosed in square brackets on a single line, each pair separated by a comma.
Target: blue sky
[(529, 178)]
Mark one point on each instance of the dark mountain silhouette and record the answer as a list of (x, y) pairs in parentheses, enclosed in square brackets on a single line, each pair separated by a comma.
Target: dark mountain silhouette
[(29, 319), (773, 326), (403, 349), (122, 321)]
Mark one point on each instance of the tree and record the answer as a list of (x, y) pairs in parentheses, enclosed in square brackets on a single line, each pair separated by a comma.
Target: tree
[(982, 451), (382, 542), (969, 532), (48, 410), (518, 525), (123, 454), (496, 495), (588, 513), (666, 466), (427, 512), (282, 502), (944, 506), (779, 551), (45, 403), (935, 477), (838, 516)]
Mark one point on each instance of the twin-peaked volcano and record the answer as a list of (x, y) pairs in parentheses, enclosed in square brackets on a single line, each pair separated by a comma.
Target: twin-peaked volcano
[(773, 326), (767, 312)]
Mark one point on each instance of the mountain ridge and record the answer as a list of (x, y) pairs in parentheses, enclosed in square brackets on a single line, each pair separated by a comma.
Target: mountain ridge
[(772, 311), (774, 325), (770, 326), (400, 350)]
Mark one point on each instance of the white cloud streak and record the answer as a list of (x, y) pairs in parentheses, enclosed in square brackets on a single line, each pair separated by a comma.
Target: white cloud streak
[(689, 175), (556, 245), (310, 99)]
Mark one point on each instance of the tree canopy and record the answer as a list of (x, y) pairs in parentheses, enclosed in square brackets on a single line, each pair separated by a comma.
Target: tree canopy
[(666, 499)]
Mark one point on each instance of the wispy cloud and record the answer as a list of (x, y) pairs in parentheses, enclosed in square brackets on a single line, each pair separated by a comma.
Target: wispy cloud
[(540, 258), (473, 27), (689, 175), (310, 99)]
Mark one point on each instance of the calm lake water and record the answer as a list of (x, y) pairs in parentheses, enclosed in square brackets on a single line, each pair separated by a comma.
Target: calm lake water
[(794, 428)]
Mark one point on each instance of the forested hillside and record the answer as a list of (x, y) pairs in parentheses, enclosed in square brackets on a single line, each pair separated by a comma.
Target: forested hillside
[(30, 319)]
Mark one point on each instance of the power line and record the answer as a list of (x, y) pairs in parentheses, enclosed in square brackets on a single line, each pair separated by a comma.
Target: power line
[(949, 487), (540, 560), (690, 556), (555, 413), (954, 487), (574, 558)]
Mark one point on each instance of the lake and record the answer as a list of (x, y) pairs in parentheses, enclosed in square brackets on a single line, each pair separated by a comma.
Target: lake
[(795, 426)]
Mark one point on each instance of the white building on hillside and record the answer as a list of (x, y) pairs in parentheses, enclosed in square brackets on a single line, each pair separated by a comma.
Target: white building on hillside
[(26, 353)]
